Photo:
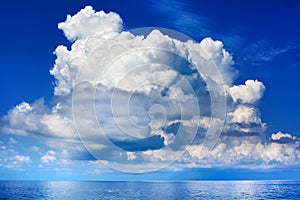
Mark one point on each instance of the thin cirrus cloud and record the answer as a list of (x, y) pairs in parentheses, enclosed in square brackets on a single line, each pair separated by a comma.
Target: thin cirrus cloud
[(240, 144), (261, 52), (193, 24), (189, 23)]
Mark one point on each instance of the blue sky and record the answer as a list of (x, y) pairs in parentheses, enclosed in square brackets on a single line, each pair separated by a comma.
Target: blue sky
[(262, 38)]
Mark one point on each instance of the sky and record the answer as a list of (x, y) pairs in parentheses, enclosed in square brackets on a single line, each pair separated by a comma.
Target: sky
[(211, 94)]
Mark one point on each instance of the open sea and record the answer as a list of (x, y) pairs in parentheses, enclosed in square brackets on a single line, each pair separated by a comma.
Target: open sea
[(150, 190)]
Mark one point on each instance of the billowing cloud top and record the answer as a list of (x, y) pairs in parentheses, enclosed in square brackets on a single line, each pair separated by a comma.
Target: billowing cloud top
[(141, 100), (87, 22)]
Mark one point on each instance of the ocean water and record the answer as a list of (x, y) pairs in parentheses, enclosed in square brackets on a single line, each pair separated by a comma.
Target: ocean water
[(150, 190)]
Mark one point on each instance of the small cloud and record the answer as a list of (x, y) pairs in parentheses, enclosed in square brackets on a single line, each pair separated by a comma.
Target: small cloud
[(12, 141), (23, 159), (34, 149), (49, 157), (250, 92), (17, 162), (283, 138), (131, 155)]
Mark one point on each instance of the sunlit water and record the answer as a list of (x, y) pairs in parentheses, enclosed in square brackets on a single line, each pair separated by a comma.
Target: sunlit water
[(150, 190)]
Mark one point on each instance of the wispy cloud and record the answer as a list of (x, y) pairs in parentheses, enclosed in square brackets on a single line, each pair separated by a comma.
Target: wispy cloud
[(187, 22), (262, 51), (193, 24)]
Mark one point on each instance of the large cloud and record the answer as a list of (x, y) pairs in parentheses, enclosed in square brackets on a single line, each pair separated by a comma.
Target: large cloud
[(150, 94), (37, 119), (248, 154)]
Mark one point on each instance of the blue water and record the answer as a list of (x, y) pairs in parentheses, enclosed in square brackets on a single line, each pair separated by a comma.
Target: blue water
[(150, 190)]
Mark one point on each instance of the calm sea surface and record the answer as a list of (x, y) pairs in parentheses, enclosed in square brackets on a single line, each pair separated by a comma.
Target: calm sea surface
[(150, 190)]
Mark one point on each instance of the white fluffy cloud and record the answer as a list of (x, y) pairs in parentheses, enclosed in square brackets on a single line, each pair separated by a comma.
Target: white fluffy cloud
[(37, 119), (284, 138), (280, 135), (245, 115), (244, 120), (19, 159), (247, 154), (251, 92), (113, 78), (87, 22)]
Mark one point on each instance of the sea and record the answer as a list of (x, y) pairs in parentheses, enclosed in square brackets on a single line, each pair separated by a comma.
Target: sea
[(149, 190)]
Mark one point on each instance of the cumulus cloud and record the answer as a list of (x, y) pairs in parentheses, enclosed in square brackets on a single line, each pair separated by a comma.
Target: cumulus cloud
[(21, 159), (245, 115), (250, 92), (244, 121), (37, 119), (152, 92), (280, 137), (247, 154), (88, 22)]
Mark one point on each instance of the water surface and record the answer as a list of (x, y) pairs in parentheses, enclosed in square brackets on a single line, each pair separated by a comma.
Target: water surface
[(150, 190)]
